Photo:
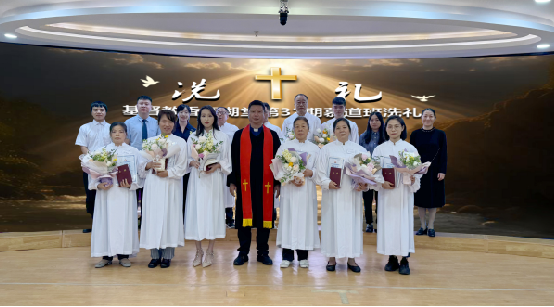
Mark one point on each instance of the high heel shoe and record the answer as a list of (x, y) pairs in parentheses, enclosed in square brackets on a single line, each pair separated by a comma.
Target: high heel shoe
[(208, 260), (198, 258)]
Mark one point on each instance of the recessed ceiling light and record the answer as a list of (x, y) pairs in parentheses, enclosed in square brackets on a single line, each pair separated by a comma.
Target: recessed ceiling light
[(543, 46), (542, 1), (8, 35)]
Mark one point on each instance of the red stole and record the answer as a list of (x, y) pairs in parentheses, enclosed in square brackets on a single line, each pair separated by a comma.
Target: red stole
[(245, 154)]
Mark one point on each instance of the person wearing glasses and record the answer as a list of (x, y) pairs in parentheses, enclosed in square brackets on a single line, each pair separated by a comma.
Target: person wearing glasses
[(301, 107)]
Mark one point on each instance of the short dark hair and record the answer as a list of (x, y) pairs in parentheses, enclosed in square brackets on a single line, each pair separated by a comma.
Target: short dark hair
[(118, 124), (224, 108), (300, 95), (404, 133), (98, 104), (267, 107), (182, 107), (200, 126), (169, 113), (339, 101), (144, 98), (301, 118), (341, 120), (429, 109), (256, 103)]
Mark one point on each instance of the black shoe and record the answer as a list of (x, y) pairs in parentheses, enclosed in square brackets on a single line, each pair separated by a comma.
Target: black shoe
[(165, 263), (404, 267), (265, 259), (355, 269), (392, 265), (431, 233), (369, 228), (87, 230), (154, 263), (231, 225), (241, 259), (375, 230), (421, 232), (330, 267)]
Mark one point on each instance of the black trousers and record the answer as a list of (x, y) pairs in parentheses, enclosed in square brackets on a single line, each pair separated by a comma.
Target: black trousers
[(91, 195), (288, 254), (118, 257), (245, 239), (229, 215), (368, 200), (185, 185)]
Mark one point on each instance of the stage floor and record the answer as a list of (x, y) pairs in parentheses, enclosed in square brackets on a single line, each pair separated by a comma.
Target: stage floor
[(66, 276)]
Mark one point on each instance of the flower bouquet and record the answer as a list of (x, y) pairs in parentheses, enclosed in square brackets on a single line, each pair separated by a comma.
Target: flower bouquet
[(361, 168), (409, 164), (159, 149), (323, 137), (100, 164), (206, 151), (289, 166), (289, 134)]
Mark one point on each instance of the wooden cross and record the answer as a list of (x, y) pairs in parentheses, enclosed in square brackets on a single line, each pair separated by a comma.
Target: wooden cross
[(245, 183), (268, 186)]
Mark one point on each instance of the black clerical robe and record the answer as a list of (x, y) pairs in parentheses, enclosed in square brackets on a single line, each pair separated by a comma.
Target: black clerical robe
[(256, 175), (428, 144)]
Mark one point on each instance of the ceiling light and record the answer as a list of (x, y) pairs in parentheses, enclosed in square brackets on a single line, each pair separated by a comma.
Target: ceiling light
[(543, 46), (542, 1), (8, 35)]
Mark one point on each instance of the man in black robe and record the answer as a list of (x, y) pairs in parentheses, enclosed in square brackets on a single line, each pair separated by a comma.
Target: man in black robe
[(257, 188)]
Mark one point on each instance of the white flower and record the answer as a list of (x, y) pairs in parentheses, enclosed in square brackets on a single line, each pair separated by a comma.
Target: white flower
[(197, 146), (296, 167), (202, 139), (416, 163), (154, 146), (318, 130), (292, 159), (363, 166), (324, 135)]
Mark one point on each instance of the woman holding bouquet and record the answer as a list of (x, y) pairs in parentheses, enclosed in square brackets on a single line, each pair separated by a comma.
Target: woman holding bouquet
[(298, 229), (431, 144), (396, 200), (341, 201), (205, 207), (114, 227), (162, 215)]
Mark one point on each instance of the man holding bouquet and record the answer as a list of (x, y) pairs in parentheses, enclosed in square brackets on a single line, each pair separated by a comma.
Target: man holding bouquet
[(93, 135), (252, 150)]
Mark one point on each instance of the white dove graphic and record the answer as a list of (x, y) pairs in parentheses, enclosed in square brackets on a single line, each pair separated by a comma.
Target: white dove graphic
[(149, 81), (423, 98)]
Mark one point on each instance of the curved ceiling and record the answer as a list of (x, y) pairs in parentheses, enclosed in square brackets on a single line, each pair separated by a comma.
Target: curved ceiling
[(315, 28)]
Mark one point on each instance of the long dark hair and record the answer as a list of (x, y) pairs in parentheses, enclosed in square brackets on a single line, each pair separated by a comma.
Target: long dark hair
[(404, 133), (200, 126), (367, 137)]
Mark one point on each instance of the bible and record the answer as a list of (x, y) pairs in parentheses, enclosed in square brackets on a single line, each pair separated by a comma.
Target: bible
[(123, 172), (388, 175), (336, 166)]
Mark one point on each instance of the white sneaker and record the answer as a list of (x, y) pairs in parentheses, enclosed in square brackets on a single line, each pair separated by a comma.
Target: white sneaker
[(304, 263), (285, 264)]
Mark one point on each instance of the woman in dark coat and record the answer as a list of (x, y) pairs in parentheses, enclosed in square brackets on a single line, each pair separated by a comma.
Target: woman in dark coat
[(431, 145), (184, 129), (370, 139)]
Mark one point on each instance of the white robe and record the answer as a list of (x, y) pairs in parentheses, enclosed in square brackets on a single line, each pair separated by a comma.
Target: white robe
[(274, 128), (205, 207), (162, 202), (115, 223), (313, 122), (298, 229), (230, 130), (396, 206), (341, 209), (354, 131)]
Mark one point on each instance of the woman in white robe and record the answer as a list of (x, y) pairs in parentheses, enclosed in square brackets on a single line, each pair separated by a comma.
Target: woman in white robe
[(162, 199), (115, 223), (205, 207), (341, 208), (396, 200), (298, 230)]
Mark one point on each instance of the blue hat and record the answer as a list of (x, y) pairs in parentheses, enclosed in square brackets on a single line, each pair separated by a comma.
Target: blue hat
[(339, 100)]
